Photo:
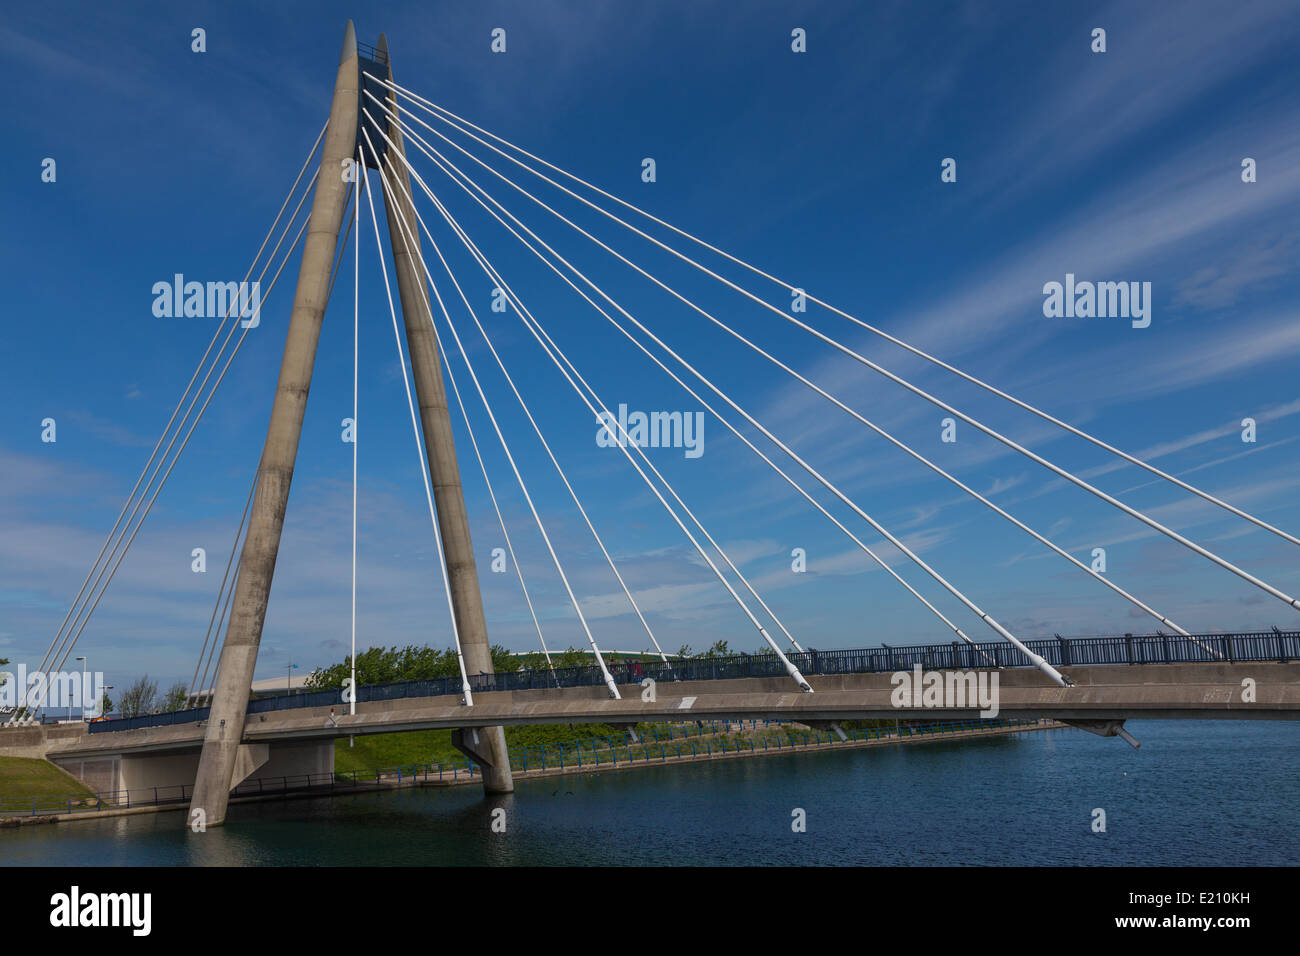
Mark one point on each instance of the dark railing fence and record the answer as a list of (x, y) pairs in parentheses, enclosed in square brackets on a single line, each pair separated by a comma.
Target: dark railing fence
[(1079, 651), (161, 796)]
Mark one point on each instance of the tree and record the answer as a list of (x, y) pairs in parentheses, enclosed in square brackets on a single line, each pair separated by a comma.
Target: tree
[(379, 665), (105, 705), (503, 661), (570, 657), (139, 698), (176, 697)]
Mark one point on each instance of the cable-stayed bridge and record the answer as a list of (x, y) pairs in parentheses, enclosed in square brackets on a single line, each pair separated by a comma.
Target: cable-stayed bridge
[(377, 125)]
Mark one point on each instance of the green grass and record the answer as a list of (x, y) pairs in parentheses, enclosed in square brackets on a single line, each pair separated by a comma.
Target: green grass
[(384, 751), (22, 778), (541, 735), (377, 751)]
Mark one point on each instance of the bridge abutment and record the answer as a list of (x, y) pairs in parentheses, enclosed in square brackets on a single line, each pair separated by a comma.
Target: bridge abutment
[(138, 773)]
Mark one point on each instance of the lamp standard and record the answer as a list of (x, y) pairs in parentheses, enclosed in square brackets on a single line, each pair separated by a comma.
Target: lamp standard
[(83, 692)]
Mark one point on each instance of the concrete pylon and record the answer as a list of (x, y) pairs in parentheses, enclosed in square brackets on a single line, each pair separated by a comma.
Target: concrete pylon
[(275, 471), (485, 745)]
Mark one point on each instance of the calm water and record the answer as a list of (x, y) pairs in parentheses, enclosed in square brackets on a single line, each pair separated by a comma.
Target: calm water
[(1223, 792)]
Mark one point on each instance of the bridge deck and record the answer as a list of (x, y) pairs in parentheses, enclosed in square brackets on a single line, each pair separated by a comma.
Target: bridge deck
[(1189, 691)]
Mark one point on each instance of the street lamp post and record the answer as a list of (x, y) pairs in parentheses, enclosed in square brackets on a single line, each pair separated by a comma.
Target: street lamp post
[(83, 692)]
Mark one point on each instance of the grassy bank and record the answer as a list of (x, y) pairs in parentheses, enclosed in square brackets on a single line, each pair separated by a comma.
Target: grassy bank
[(24, 778), (434, 746), (371, 752), (559, 747)]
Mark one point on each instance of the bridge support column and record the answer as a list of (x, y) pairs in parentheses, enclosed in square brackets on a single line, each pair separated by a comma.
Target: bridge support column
[(275, 472), (467, 604), (484, 749)]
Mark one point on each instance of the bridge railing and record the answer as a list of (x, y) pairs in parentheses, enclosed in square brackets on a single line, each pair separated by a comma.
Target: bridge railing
[(1062, 652), (150, 720), (104, 800)]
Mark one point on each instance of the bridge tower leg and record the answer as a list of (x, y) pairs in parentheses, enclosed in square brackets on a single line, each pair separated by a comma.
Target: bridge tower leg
[(275, 471), (486, 746)]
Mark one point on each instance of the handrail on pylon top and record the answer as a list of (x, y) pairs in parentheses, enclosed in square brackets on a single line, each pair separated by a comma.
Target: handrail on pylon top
[(372, 53)]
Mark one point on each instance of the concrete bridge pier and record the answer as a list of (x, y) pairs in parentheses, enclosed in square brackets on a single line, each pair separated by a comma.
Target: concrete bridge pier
[(225, 728), (486, 746)]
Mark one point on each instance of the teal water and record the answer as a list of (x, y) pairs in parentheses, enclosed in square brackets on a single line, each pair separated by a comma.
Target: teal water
[(1207, 793)]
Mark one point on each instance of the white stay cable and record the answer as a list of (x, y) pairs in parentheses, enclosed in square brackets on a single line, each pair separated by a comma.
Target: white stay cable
[(60, 639), (519, 572), (1132, 459), (505, 445), (356, 361), (212, 619), (968, 490), (419, 447), (105, 576), (496, 507), (525, 317), (197, 684), (956, 481), (203, 683), (1073, 479), (536, 428), (90, 608), (1036, 659), (957, 630), (790, 668)]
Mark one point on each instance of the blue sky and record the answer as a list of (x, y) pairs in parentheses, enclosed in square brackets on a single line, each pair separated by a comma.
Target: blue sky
[(822, 168)]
